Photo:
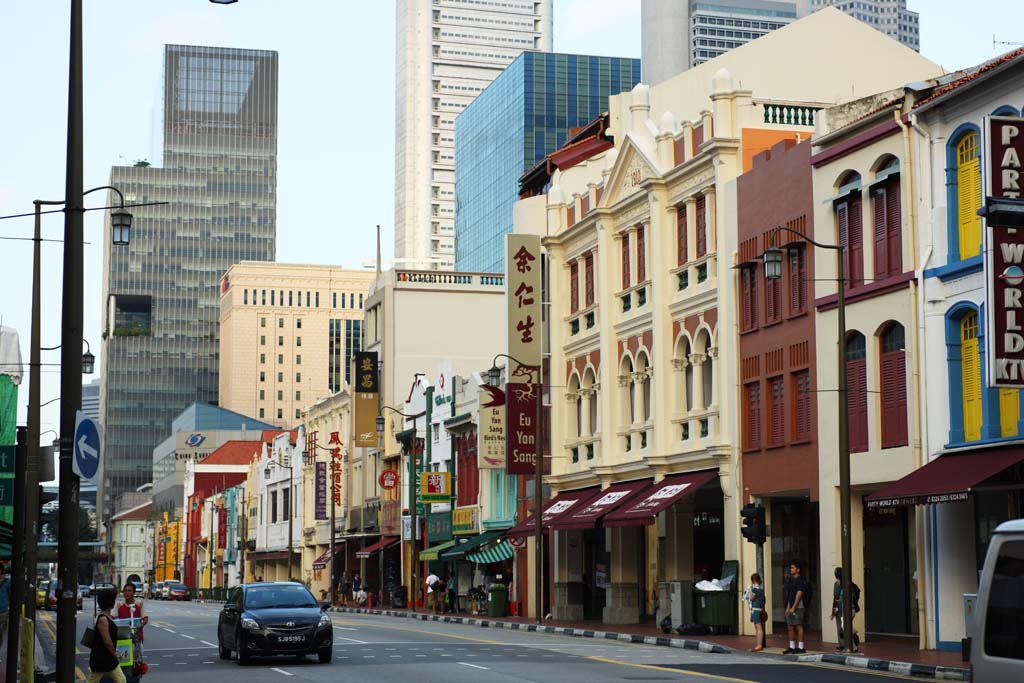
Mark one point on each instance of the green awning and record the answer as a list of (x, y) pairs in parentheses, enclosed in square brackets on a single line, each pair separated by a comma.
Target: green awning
[(459, 551), (497, 553), (431, 553)]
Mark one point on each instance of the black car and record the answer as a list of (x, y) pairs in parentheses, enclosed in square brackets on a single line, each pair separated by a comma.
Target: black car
[(283, 618)]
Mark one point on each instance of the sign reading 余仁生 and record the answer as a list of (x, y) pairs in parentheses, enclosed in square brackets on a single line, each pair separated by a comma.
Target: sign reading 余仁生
[(522, 390)]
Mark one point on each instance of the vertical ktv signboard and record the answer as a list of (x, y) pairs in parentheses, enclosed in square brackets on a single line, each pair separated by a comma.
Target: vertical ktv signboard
[(1003, 150), (522, 391)]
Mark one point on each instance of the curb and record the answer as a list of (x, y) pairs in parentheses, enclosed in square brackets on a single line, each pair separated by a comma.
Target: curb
[(685, 644), (924, 671), (939, 673)]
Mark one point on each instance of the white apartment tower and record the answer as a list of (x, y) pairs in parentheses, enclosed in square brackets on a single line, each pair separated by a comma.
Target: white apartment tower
[(447, 52)]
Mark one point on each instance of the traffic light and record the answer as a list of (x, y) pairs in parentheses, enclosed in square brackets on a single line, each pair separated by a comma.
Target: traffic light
[(754, 529)]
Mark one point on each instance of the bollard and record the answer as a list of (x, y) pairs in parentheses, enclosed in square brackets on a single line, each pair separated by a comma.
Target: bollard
[(369, 600)]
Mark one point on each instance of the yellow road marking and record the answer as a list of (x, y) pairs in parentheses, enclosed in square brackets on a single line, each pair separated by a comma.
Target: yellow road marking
[(681, 672)]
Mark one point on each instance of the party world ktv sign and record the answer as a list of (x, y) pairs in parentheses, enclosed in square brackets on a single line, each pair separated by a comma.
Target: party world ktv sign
[(1003, 149)]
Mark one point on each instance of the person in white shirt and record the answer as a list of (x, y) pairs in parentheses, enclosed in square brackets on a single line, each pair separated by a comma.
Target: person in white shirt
[(433, 586)]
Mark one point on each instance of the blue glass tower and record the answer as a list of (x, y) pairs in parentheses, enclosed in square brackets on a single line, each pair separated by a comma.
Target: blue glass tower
[(525, 114)]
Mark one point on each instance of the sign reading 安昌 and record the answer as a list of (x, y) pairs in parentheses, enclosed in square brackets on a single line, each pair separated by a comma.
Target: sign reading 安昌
[(367, 386), (1004, 254), (522, 391)]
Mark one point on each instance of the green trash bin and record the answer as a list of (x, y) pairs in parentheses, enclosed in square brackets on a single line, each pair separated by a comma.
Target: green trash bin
[(497, 600), (717, 609)]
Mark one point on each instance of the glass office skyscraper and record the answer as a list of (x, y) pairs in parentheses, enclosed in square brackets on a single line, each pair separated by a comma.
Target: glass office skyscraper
[(161, 302), (524, 115)]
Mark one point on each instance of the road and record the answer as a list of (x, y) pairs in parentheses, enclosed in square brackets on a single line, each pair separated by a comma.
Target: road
[(181, 641)]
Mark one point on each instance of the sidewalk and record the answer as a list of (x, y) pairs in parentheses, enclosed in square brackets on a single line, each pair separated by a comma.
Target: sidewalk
[(891, 655)]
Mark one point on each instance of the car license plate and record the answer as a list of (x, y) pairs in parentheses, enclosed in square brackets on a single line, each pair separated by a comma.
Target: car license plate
[(291, 639)]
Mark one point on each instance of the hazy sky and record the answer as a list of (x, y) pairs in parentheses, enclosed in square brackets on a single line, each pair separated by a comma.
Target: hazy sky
[(336, 116)]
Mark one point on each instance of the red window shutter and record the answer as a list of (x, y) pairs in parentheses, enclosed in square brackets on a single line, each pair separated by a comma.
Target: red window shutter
[(894, 399), (641, 256), (778, 417), (894, 229), (797, 281), (681, 235), (588, 268), (625, 260), (773, 300), (856, 244), (574, 287), (748, 278), (843, 228), (802, 404), (881, 233), (702, 236), (857, 404), (753, 422)]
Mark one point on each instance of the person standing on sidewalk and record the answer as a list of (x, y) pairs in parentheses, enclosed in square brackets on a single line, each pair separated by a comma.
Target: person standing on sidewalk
[(104, 660), (837, 608), (433, 583), (795, 596), (344, 587), (758, 615)]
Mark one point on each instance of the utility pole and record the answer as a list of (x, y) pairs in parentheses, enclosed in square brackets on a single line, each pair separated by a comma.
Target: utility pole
[(71, 360)]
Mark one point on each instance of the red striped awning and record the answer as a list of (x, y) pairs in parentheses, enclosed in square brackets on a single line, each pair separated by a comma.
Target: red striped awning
[(642, 508), (610, 499)]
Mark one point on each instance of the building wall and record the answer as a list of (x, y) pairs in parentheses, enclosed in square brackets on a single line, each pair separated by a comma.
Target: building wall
[(160, 300), (891, 17), (129, 550), (288, 335), (446, 53), (663, 54), (527, 113)]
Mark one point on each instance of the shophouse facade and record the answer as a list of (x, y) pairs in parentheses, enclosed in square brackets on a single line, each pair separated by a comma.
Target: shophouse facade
[(132, 544), (276, 503), (644, 316)]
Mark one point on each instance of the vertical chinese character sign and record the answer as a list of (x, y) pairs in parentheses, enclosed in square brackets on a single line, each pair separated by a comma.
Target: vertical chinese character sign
[(336, 457), (522, 391), (365, 390), (320, 497), (1004, 253)]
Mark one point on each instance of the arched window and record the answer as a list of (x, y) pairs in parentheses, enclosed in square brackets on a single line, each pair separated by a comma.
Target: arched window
[(857, 392), (968, 194), (575, 417), (970, 374), (589, 384), (627, 399), (893, 384), (707, 374), (850, 228), (642, 365), (886, 221)]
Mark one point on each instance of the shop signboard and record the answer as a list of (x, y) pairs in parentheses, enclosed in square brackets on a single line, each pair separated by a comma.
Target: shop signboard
[(367, 388), (523, 300), (439, 527), (490, 437), (435, 487), (465, 520), (1003, 150), (320, 497)]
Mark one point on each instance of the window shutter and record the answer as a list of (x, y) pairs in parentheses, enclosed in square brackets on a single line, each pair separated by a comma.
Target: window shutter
[(778, 424), (574, 287), (588, 267), (748, 277), (968, 191), (856, 249), (893, 228), (894, 399), (878, 212), (681, 234), (641, 256), (702, 237), (625, 260), (971, 377), (1009, 411), (802, 421), (857, 407), (753, 431), (843, 228), (794, 281)]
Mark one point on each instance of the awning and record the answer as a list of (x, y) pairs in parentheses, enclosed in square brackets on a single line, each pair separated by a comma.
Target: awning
[(947, 479), (553, 509), (325, 559), (268, 556), (496, 553), (431, 553), (612, 498), (382, 544), (642, 508), (459, 551)]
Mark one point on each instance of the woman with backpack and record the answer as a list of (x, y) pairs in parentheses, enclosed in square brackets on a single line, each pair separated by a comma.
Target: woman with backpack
[(104, 659), (837, 608)]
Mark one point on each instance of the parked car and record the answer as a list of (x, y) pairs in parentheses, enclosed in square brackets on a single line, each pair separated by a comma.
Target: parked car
[(178, 591), (274, 619), (996, 639), (42, 590), (165, 590), (102, 586), (83, 591), (155, 589)]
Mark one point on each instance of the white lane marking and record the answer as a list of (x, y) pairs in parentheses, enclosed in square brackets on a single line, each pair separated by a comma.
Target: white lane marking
[(475, 666), (281, 671), (170, 631), (206, 642), (346, 628), (185, 636), (353, 640)]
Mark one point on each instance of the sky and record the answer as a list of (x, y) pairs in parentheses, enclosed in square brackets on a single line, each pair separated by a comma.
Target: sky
[(335, 111)]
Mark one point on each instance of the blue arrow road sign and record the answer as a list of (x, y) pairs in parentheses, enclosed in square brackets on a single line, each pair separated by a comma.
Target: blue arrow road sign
[(86, 463)]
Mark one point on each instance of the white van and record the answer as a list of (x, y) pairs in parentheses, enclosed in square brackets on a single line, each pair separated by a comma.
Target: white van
[(997, 645)]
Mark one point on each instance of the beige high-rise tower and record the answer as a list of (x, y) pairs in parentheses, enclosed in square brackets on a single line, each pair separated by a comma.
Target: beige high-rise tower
[(446, 53), (287, 336)]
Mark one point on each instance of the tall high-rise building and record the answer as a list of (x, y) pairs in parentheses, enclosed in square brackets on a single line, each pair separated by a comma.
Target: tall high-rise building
[(288, 335), (447, 52), (528, 112), (91, 399), (680, 34), (161, 302)]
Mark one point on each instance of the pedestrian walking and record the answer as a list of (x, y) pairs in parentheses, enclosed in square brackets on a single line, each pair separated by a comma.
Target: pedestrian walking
[(797, 597), (344, 587), (433, 592), (837, 609), (357, 584), (104, 659), (5, 602), (758, 614), (451, 596)]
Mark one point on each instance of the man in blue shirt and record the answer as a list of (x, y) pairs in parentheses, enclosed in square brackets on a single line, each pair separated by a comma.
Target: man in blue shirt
[(5, 601)]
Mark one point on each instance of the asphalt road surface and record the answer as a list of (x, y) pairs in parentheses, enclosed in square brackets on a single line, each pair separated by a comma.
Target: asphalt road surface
[(181, 642)]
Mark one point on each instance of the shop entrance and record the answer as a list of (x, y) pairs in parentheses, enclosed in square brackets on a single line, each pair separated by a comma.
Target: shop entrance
[(596, 573), (794, 538), (888, 555)]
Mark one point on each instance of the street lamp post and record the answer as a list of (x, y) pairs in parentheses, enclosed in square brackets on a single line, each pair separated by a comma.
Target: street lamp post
[(773, 271), (494, 379)]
